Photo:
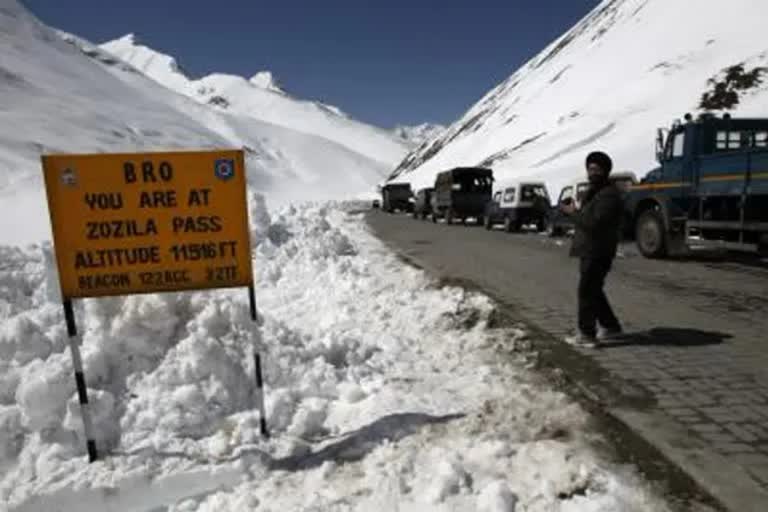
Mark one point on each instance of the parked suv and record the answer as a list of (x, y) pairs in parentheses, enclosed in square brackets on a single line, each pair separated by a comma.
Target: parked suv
[(397, 196), (462, 193), (517, 204), (422, 205)]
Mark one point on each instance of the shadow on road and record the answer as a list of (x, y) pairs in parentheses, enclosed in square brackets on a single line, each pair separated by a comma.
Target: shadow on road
[(671, 336)]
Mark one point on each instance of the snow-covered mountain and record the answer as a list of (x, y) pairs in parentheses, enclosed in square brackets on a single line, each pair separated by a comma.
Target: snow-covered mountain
[(628, 67), (266, 80), (261, 98), (418, 134), (59, 93)]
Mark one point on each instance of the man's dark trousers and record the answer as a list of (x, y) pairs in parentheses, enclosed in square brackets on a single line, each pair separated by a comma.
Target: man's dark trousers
[(593, 304)]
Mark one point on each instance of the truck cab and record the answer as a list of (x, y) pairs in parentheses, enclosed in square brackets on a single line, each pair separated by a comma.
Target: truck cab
[(711, 186)]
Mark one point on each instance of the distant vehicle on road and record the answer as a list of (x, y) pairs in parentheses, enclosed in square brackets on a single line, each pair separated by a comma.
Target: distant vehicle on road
[(376, 204), (711, 188), (422, 204), (462, 193), (397, 197), (516, 204), (560, 224)]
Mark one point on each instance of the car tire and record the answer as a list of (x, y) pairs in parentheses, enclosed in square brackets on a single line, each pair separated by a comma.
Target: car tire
[(650, 235)]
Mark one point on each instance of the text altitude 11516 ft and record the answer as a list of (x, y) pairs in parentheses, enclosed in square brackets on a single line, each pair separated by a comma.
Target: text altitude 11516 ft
[(147, 222)]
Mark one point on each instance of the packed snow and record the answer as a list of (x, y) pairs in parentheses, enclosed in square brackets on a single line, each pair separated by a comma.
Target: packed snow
[(626, 69), (61, 94), (385, 391)]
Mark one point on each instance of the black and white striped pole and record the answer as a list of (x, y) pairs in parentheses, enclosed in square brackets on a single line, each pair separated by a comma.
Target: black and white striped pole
[(82, 391), (257, 369)]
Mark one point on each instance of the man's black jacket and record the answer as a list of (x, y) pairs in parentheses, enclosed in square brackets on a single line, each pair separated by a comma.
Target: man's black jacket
[(597, 224)]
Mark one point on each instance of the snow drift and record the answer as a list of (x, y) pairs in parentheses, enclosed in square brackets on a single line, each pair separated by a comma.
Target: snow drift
[(384, 392), (628, 67)]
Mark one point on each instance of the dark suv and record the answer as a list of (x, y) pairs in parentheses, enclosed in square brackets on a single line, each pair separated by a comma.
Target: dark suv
[(396, 196), (461, 193)]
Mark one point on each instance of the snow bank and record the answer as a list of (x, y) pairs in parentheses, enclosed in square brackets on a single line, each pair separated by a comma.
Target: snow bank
[(384, 392)]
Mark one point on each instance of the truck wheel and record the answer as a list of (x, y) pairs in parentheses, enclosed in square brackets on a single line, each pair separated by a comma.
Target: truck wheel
[(650, 235)]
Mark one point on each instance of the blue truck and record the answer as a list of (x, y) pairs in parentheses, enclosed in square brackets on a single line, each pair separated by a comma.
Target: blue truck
[(710, 188)]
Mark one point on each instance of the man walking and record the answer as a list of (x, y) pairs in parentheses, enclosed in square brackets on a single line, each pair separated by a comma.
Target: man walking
[(597, 230)]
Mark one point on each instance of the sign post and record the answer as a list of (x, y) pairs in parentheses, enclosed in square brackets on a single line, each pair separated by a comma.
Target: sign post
[(82, 390), (146, 223), (257, 368)]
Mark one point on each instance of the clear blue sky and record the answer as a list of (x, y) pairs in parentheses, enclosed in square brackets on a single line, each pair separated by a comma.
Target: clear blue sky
[(382, 61)]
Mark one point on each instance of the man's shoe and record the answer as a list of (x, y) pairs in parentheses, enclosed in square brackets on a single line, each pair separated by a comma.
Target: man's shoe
[(582, 340), (610, 334)]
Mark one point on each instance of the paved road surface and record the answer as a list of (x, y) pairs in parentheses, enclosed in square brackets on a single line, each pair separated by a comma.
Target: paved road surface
[(693, 380)]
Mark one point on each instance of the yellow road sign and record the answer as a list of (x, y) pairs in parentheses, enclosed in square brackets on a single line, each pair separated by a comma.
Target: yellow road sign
[(148, 222)]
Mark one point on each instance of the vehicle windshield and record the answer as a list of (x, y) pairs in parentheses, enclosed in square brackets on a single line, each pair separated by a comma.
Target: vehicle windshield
[(531, 192), (474, 184)]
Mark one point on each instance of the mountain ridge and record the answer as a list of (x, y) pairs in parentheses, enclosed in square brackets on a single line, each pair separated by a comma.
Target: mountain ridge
[(606, 83)]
